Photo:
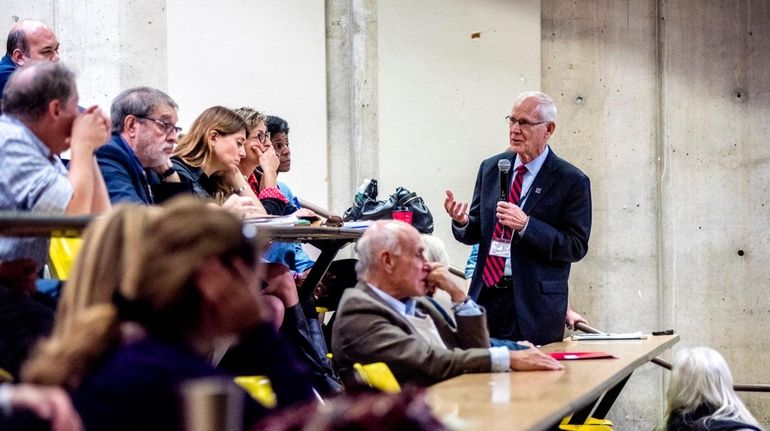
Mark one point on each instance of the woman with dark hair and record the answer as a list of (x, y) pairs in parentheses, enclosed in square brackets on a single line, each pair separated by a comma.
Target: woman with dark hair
[(185, 279)]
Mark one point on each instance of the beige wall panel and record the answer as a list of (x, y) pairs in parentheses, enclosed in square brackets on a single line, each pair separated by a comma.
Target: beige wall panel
[(269, 55), (598, 61), (716, 88), (443, 94)]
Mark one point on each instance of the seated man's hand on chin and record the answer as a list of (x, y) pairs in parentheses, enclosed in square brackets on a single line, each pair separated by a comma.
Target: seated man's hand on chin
[(440, 278), (532, 359)]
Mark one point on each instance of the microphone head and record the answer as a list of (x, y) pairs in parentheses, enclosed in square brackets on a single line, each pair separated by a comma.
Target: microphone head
[(504, 165)]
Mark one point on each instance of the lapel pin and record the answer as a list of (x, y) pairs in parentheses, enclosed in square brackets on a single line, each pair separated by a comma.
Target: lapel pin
[(538, 190)]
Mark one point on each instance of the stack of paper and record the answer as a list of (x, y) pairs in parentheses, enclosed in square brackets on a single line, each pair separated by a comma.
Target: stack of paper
[(610, 336), (272, 220), (571, 356)]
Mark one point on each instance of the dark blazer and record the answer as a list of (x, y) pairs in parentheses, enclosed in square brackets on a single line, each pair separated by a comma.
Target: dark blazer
[(137, 386), (123, 174), (559, 209), (368, 330)]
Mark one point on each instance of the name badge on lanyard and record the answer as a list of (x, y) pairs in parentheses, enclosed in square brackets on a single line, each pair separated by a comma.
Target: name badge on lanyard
[(501, 246)]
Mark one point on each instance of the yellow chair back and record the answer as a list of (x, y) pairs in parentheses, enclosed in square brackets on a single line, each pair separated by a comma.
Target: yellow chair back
[(259, 388), (378, 375), (591, 424), (5, 376), (62, 254)]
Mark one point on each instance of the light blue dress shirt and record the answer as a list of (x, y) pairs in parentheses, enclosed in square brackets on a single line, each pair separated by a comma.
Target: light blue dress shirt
[(31, 179)]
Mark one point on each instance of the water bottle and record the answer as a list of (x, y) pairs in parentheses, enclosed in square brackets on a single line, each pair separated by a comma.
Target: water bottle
[(367, 189)]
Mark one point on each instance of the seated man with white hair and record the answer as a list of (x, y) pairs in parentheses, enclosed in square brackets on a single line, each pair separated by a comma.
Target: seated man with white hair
[(385, 318)]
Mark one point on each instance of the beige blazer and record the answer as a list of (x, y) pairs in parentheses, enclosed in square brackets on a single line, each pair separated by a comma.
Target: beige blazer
[(367, 329)]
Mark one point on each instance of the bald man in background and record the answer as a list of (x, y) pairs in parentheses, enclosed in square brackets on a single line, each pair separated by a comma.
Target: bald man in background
[(28, 40)]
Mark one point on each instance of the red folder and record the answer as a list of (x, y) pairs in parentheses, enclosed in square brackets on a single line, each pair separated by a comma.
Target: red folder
[(571, 356)]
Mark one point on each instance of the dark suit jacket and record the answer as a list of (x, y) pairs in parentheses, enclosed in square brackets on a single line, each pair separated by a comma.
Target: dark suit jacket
[(123, 173), (368, 330), (137, 386), (559, 207)]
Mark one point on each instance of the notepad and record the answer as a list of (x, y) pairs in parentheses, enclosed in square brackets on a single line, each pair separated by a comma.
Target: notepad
[(609, 336), (571, 356)]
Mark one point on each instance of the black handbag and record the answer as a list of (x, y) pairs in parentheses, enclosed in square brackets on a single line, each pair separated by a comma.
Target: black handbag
[(367, 207)]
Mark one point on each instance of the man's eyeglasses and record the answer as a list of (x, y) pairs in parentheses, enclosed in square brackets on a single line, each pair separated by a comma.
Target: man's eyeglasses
[(523, 123), (262, 137), (164, 125)]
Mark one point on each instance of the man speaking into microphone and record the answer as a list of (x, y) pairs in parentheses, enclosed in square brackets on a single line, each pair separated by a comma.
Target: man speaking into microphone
[(531, 222)]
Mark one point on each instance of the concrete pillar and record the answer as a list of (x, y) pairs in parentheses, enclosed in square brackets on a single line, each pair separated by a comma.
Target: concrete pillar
[(351, 53), (665, 105), (111, 45)]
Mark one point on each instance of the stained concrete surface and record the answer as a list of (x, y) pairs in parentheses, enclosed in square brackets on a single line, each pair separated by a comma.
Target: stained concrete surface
[(672, 128)]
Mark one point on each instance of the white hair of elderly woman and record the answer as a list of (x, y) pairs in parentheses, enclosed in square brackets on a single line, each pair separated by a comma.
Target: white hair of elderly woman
[(700, 377)]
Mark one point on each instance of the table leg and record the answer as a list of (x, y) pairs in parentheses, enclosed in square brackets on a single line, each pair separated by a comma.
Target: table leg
[(329, 251), (609, 399)]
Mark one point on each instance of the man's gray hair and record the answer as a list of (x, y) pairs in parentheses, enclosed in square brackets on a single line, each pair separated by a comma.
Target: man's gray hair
[(381, 235), (31, 89), (139, 102), (546, 109)]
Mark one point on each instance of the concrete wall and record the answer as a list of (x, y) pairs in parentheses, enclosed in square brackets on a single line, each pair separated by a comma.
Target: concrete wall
[(269, 55), (106, 42), (443, 93), (665, 106)]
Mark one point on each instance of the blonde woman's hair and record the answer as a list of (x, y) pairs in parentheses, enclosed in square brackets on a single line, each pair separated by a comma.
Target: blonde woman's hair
[(154, 261), (86, 324), (700, 377), (251, 117), (194, 149)]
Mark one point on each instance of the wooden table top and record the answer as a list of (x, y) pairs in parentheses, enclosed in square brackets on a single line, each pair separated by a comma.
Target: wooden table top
[(535, 400), (28, 223)]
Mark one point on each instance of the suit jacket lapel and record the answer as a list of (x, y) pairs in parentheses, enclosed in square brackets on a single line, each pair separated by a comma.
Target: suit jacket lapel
[(543, 182)]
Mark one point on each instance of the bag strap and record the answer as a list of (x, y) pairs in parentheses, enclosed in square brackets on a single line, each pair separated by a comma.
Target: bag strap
[(408, 198)]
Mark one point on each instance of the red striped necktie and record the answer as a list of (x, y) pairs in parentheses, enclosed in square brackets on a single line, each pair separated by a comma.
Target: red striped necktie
[(495, 265)]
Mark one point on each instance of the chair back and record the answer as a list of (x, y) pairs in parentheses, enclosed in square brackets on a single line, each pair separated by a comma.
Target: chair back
[(378, 375), (62, 254), (259, 388)]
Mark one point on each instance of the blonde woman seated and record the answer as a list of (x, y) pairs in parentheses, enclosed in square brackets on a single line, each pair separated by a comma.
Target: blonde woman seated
[(701, 396), (208, 157), (186, 277)]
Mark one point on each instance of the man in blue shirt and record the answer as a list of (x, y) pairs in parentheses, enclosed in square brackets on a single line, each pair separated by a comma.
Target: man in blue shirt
[(144, 133), (41, 121), (28, 40)]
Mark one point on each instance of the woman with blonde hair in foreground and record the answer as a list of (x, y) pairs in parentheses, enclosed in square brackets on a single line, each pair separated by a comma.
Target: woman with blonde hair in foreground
[(701, 396), (187, 276)]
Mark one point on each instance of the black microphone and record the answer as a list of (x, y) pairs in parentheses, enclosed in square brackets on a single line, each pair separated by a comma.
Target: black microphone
[(504, 166)]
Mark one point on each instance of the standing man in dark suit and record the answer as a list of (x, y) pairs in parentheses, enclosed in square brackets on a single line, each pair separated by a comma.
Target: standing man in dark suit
[(527, 243)]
